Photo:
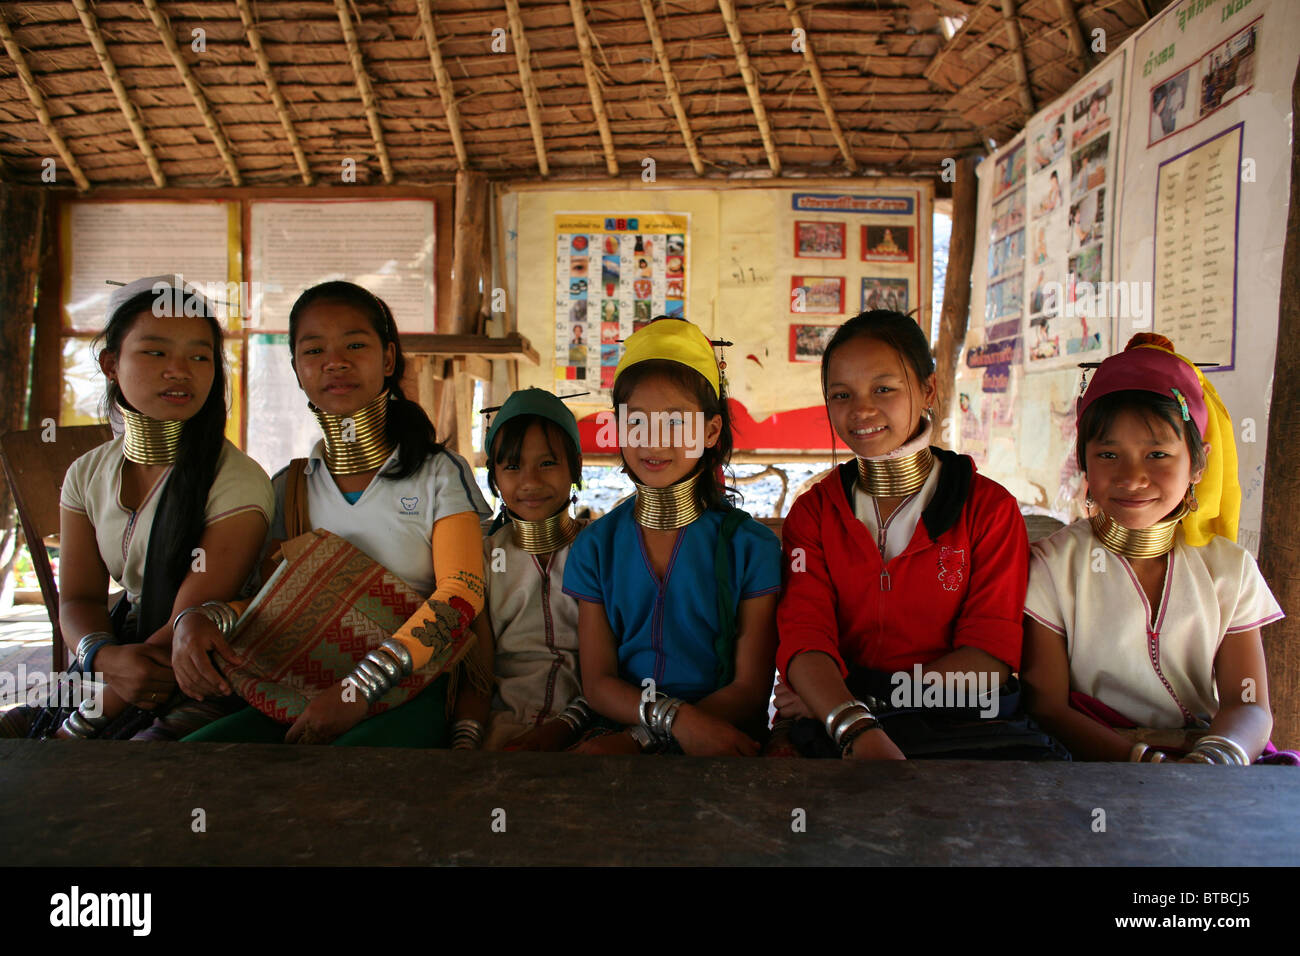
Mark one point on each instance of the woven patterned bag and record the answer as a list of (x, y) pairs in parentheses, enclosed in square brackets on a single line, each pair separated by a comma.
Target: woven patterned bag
[(327, 604)]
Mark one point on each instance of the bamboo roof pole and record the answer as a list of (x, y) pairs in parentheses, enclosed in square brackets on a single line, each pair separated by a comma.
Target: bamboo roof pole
[(1018, 55), (38, 104), (531, 100), (957, 37), (728, 8), (364, 88), (443, 79), (273, 89), (1075, 34), (674, 90), (823, 94), (131, 114), (593, 85), (168, 38)]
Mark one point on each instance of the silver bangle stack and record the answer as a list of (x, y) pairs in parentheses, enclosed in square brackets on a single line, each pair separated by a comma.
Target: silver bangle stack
[(89, 646), (218, 612), (380, 670), (466, 734), (658, 714), (1215, 748), (577, 716), (847, 721), (1141, 753), (79, 725)]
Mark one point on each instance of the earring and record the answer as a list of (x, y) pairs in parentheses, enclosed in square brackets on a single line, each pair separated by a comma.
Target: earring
[(1190, 499), (1088, 502)]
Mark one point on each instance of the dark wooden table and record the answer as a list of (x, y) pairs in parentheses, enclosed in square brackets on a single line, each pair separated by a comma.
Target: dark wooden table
[(124, 803)]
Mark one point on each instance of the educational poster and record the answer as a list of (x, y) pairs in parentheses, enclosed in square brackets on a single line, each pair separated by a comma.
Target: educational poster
[(281, 427), (108, 243), (613, 274), (387, 246), (1067, 242), (1196, 245)]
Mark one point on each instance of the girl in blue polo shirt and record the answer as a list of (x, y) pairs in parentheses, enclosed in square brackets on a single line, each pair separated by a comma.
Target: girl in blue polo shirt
[(676, 587)]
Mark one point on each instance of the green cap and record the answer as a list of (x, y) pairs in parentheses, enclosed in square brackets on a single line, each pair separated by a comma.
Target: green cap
[(533, 401)]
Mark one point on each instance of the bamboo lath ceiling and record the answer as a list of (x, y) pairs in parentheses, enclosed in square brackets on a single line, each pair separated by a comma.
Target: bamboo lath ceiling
[(411, 90)]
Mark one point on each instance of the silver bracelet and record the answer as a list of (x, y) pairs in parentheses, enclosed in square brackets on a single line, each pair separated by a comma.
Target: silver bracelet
[(363, 686), (1216, 754), (385, 662), (400, 654), (1198, 756), (835, 713), (1233, 749), (847, 717), (466, 734), (84, 646), (223, 615), (1136, 751)]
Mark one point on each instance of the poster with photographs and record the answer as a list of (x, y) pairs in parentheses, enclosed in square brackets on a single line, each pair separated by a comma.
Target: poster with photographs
[(1067, 240), (819, 240), (808, 342), (879, 237), (613, 274), (1181, 94)]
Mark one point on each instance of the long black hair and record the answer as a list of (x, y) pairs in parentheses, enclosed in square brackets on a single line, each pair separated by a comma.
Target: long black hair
[(406, 425), (713, 490), (184, 504), (508, 444), (900, 332), (1097, 419)]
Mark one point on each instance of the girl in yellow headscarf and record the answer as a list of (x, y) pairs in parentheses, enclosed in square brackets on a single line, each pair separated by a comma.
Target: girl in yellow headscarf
[(1142, 621)]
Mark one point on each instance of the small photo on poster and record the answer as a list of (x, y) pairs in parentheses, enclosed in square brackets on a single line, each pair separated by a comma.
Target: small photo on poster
[(1085, 267), (808, 342), (609, 269), (1009, 171), (643, 288), (607, 376), (1086, 219), (578, 245), (676, 244), (1038, 249), (611, 246), (887, 244), (577, 288), (1088, 166), (1228, 71), (1091, 114), (675, 287), (609, 310), (1043, 295), (1043, 342), (676, 265), (577, 355), (1049, 146), (1007, 254), (578, 311), (880, 293), (1050, 200), (819, 240), (1009, 213), (578, 268), (608, 354), (1171, 108), (817, 294), (1004, 298), (608, 333), (577, 334), (674, 308), (641, 312)]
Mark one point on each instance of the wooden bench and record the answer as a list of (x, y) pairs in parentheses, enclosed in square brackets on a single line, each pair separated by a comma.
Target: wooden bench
[(282, 805)]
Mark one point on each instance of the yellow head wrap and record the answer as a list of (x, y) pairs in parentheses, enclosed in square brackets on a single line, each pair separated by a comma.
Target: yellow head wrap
[(675, 340), (1218, 492)]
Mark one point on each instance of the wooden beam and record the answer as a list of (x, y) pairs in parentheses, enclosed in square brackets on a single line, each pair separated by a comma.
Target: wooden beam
[(443, 79), (168, 38), (955, 314), (1279, 553), (593, 85), (670, 81), (823, 94), (124, 103), (38, 104), (469, 226), (364, 88), (1078, 46), (728, 8), (273, 89), (509, 346), (937, 60), (532, 102), (1018, 55)]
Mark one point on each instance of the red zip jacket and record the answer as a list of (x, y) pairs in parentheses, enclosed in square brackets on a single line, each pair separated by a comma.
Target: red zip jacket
[(960, 582)]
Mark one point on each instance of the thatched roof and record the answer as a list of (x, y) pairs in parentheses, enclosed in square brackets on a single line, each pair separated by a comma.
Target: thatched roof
[(721, 89)]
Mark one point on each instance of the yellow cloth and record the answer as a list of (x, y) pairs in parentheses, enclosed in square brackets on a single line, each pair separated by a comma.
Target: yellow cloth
[(1219, 490), (675, 340)]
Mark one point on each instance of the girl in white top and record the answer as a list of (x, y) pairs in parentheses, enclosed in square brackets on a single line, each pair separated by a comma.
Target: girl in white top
[(143, 508), (1142, 623)]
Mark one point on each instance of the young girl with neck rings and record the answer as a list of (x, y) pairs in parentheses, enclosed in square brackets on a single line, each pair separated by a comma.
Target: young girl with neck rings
[(1142, 621), (901, 557), (528, 631), (676, 588), (135, 509), (380, 480)]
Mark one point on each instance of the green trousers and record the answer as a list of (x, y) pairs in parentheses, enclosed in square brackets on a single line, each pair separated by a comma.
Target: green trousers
[(421, 722)]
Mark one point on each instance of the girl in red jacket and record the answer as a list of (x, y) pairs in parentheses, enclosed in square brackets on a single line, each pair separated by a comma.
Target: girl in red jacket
[(905, 571)]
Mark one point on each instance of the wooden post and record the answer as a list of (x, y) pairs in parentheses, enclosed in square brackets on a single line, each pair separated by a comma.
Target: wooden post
[(1279, 553), (470, 230), (22, 215), (956, 286), (1018, 51)]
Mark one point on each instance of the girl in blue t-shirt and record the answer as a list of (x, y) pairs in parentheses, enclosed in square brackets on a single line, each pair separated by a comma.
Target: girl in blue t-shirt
[(676, 588)]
